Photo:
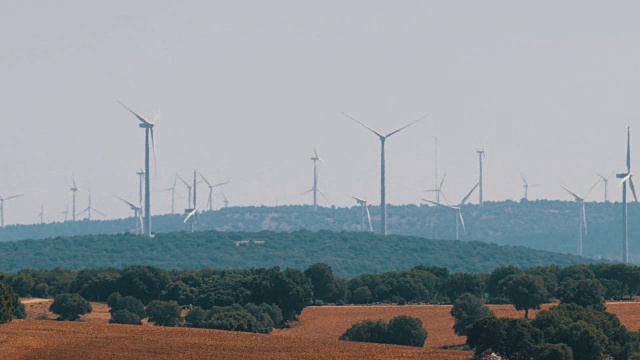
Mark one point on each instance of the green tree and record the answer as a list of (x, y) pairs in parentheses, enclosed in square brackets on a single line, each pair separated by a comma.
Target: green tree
[(466, 311), (70, 306), (406, 330), (125, 317), (553, 352), (526, 292), (498, 279), (117, 302), (164, 313), (323, 282), (9, 302), (586, 293), (142, 282)]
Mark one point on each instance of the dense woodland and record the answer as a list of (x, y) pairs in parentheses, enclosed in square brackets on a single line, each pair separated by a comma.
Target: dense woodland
[(348, 253), (545, 225)]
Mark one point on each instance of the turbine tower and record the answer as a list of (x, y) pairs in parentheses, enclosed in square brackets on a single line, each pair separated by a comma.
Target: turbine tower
[(211, 187), (458, 210), (137, 214), (582, 217), (365, 214), (226, 202), (2, 200), (315, 160), (605, 181), (481, 157), (383, 199), (189, 187), (41, 214), (192, 211), (74, 189), (626, 178), (148, 132)]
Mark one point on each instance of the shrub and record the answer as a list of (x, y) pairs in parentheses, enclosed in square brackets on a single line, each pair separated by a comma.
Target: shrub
[(164, 313), (401, 330), (20, 312), (125, 317), (554, 352), (70, 306), (197, 317), (129, 303)]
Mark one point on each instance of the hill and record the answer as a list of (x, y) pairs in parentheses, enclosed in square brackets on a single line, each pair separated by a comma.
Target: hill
[(545, 225), (348, 253)]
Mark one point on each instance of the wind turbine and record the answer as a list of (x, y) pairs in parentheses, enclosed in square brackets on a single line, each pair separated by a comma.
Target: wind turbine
[(582, 217), (141, 175), (137, 213), (626, 178), (605, 180), (148, 132), (458, 209), (2, 200), (526, 187), (315, 158), (90, 208), (65, 212), (481, 157), (438, 189), (192, 211), (173, 194), (365, 213), (74, 189), (383, 139), (41, 214), (226, 202), (188, 189), (210, 202)]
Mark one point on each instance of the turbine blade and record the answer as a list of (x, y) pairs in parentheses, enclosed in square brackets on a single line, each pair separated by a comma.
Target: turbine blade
[(584, 218), (591, 189), (577, 198), (523, 179), (100, 213), (633, 188), (375, 132), (183, 181), (442, 181), (366, 206), (155, 161), (193, 212), (628, 150), (323, 195), (125, 201), (406, 126), (464, 228), (464, 200), (12, 197), (222, 183), (134, 113), (204, 178)]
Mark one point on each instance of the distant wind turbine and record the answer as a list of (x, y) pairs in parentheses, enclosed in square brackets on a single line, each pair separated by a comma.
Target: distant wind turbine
[(383, 139), (458, 210), (365, 214), (582, 217), (605, 181), (2, 200), (481, 157), (315, 158), (226, 202), (90, 208), (141, 175), (74, 189), (211, 187), (189, 188), (626, 178), (173, 194), (137, 213), (438, 190), (65, 212), (148, 132), (193, 211), (41, 214), (526, 187)]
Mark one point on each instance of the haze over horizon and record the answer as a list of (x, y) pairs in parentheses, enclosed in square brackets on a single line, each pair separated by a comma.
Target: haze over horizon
[(247, 90)]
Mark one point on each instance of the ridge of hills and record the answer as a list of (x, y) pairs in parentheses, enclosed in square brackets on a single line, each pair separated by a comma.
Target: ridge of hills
[(542, 224), (348, 253)]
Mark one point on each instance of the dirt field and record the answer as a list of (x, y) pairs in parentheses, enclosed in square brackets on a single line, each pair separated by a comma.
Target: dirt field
[(313, 337)]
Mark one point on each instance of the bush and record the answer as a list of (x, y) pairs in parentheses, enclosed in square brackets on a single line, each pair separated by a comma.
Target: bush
[(125, 317), (196, 318), (129, 303), (466, 311), (401, 330), (554, 352), (20, 312), (164, 313), (9, 303), (70, 306)]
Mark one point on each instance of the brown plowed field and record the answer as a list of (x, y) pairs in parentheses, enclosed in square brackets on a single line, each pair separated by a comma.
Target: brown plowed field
[(313, 337)]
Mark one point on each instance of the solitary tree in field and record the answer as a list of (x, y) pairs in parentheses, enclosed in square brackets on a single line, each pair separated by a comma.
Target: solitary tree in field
[(70, 306), (526, 292)]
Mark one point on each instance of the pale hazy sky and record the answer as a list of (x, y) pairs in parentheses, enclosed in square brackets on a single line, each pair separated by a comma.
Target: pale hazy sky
[(247, 89)]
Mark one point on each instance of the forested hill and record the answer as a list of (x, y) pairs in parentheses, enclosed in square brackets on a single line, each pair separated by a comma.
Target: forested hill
[(546, 225), (348, 253)]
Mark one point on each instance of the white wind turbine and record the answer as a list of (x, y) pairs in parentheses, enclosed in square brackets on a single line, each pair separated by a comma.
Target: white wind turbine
[(626, 178), (41, 214), (226, 202), (582, 217), (2, 200), (148, 131), (137, 214), (65, 212), (74, 189), (458, 210), (173, 194), (141, 174), (192, 211), (211, 187), (315, 158), (189, 188), (605, 181), (526, 187), (481, 156), (383, 139), (365, 214), (90, 208)]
